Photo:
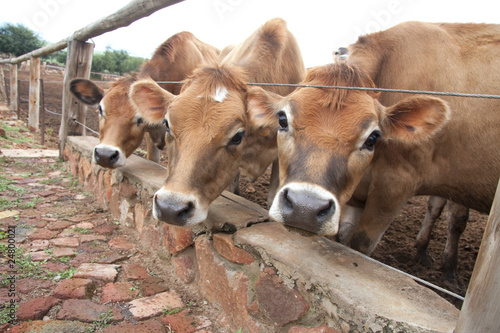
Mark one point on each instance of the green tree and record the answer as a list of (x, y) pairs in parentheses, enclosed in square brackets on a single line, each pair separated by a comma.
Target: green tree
[(115, 61), (18, 39), (131, 64)]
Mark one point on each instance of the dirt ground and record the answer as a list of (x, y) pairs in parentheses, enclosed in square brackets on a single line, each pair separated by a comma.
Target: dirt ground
[(395, 249)]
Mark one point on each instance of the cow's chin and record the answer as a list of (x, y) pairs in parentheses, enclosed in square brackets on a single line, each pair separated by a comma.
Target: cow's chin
[(179, 209), (308, 207)]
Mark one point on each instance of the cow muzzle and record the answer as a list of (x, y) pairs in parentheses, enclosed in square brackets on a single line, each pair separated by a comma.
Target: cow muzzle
[(178, 208), (308, 207), (109, 156)]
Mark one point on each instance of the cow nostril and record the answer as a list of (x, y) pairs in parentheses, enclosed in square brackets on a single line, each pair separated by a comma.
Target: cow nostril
[(114, 156), (186, 211), (327, 211), (287, 203)]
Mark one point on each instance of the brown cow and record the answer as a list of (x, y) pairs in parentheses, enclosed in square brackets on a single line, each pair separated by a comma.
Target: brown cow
[(382, 54), (121, 130), (209, 135), (338, 145)]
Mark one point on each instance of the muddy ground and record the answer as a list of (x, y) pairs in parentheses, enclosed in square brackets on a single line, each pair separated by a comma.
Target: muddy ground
[(395, 249)]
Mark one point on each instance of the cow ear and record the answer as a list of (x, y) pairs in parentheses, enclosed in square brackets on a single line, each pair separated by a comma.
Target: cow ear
[(262, 107), (86, 91), (150, 100), (415, 119)]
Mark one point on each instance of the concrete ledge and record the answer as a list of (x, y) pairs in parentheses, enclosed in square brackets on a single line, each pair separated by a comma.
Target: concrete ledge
[(263, 277)]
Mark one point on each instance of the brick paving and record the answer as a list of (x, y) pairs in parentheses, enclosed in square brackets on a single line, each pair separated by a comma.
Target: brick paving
[(75, 270)]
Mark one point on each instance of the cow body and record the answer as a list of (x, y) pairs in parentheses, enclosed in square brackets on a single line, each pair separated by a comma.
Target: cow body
[(210, 137), (121, 131), (345, 147)]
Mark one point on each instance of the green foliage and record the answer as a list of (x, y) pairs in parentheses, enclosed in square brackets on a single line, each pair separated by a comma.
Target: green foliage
[(115, 61), (17, 39), (104, 321)]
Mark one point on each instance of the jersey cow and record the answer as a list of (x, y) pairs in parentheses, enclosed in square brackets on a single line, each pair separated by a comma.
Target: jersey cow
[(398, 58), (210, 137), (121, 130), (340, 145)]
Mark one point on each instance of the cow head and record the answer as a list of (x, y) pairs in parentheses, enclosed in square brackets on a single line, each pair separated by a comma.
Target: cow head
[(120, 130), (327, 139), (206, 139)]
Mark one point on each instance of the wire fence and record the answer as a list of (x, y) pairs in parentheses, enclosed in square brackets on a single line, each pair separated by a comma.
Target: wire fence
[(404, 91)]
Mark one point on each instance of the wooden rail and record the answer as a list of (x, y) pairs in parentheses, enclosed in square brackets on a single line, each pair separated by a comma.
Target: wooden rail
[(132, 12), (77, 64)]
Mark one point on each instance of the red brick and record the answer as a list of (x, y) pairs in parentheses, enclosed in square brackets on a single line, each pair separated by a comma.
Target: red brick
[(108, 178), (320, 329), (74, 288), (148, 326), (86, 311), (119, 292), (27, 285), (230, 291), (86, 169), (135, 271), (127, 190), (177, 238), (50, 326), (36, 308), (106, 230), (58, 225), (224, 245), (185, 323), (152, 286), (277, 301), (147, 307), (38, 245), (114, 204), (43, 234), (65, 241), (100, 272), (184, 267), (121, 243)]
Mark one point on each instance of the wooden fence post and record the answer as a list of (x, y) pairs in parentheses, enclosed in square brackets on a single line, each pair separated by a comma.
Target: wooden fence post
[(78, 63), (34, 106), (481, 309), (3, 91), (13, 88)]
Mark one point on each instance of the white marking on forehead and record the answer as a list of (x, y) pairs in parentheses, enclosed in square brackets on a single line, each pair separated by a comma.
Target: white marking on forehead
[(220, 94)]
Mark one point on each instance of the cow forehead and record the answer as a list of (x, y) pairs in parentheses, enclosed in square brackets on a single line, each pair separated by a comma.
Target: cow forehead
[(211, 114), (318, 119), (116, 103)]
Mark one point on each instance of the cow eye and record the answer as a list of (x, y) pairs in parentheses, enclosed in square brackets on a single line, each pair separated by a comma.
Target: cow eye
[(283, 121), (236, 139), (165, 123), (371, 140), (101, 112), (139, 121)]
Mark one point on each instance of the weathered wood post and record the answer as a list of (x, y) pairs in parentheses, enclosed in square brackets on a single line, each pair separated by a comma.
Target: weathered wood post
[(78, 63), (13, 88), (34, 105), (3, 90), (481, 309), (42, 113)]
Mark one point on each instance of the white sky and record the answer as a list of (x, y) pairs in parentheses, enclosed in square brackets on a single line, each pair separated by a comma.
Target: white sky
[(320, 26)]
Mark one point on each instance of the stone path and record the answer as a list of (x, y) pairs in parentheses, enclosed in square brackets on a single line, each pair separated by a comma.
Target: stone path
[(67, 267)]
